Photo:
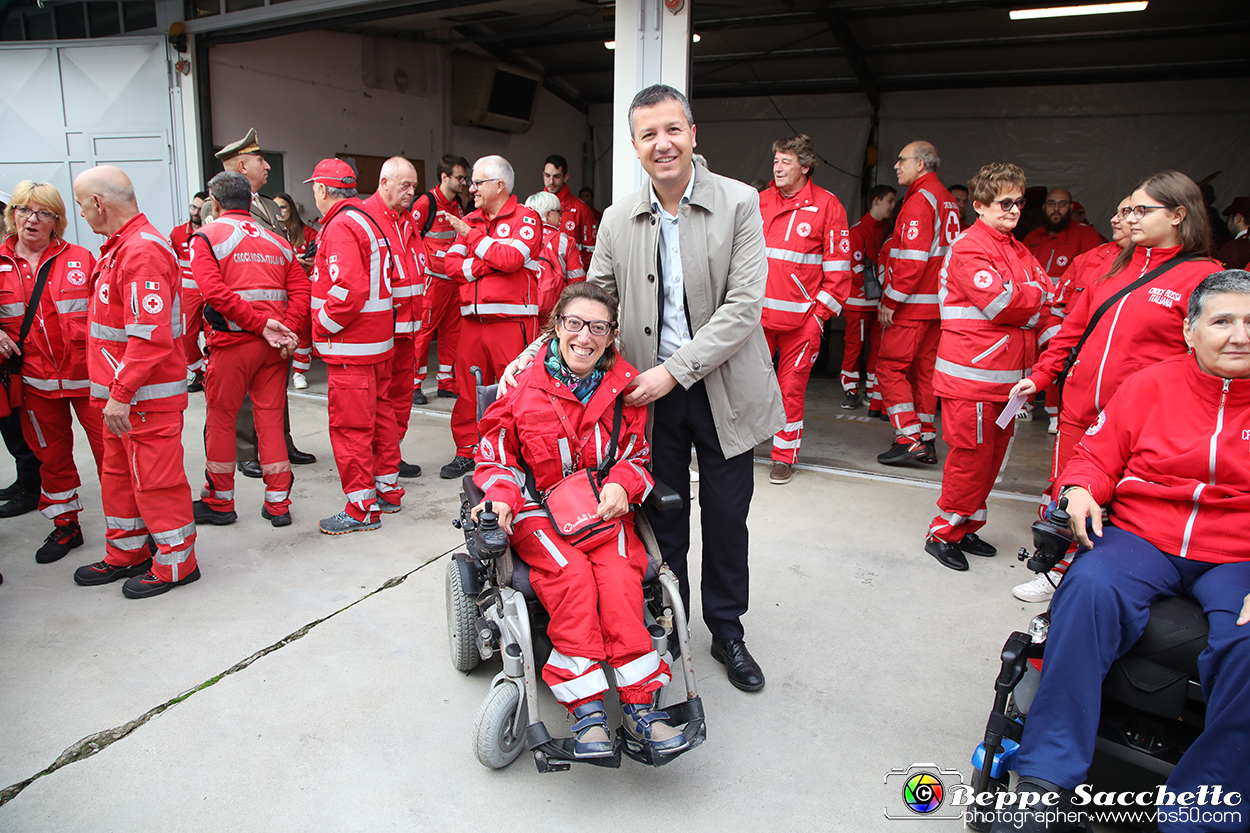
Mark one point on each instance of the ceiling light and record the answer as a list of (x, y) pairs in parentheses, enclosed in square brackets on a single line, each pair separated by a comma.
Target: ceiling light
[(610, 44), (695, 37), (1076, 11)]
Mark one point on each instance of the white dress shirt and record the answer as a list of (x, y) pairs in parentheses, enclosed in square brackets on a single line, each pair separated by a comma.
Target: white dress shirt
[(674, 330)]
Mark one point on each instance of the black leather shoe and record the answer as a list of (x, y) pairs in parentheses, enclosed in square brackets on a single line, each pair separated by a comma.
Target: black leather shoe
[(744, 671), (972, 544), (901, 451), (873, 413), (205, 514), (448, 394), (14, 489), (948, 555), (409, 469), (419, 398), (457, 468), (299, 458), (250, 468), (20, 504), (276, 520)]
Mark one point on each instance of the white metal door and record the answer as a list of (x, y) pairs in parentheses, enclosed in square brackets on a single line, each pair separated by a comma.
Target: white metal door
[(66, 106)]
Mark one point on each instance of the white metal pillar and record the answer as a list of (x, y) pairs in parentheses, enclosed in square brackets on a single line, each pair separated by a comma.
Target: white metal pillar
[(652, 47)]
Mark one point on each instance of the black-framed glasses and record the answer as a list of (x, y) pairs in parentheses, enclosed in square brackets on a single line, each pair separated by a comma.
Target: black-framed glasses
[(478, 183), (597, 328), (1057, 203), (24, 211), (1007, 205), (1140, 211), (903, 159)]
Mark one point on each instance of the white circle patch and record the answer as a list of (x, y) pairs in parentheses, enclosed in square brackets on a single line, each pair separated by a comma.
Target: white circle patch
[(526, 233), (913, 233), (153, 303), (503, 230), (250, 228), (859, 255), (76, 276), (334, 271), (1062, 260), (1098, 423), (983, 279), (488, 450), (104, 292), (804, 229), (844, 246), (570, 225)]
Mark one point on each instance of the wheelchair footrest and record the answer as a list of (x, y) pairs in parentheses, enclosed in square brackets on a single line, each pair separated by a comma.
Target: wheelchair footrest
[(556, 754), (689, 713)]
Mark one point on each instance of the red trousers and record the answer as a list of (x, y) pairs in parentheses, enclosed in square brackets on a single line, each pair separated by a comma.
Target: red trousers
[(861, 329), (144, 490), (364, 436), (905, 376), (595, 602), (49, 432), (254, 369), (977, 450), (488, 346), (192, 303), (442, 315), (301, 359), (796, 352), (403, 383)]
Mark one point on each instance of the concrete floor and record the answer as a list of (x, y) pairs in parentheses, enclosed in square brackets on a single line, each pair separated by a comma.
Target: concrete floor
[(304, 683)]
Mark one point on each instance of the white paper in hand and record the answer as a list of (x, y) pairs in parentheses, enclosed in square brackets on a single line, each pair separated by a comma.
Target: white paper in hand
[(1009, 413)]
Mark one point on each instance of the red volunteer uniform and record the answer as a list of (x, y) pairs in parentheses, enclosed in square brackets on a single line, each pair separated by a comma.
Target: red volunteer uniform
[(192, 301), (301, 359), (578, 222), (809, 278), (408, 291), (134, 355), (354, 334), (861, 313), (1144, 327), (246, 275), (54, 366), (442, 294), (1056, 251), (992, 296), (876, 403), (927, 223), (561, 267), (497, 269), (594, 597)]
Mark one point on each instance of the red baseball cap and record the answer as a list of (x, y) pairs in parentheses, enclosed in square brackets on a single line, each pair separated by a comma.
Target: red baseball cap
[(1076, 206), (334, 173)]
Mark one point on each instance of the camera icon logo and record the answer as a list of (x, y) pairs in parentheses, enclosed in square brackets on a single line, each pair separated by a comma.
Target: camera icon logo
[(920, 791)]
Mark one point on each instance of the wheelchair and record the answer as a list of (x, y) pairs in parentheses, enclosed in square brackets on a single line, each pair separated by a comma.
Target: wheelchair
[(492, 611), (1152, 702)]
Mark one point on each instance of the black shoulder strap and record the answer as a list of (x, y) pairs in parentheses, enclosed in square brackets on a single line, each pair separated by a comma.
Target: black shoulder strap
[(602, 471), (1109, 303), (429, 217), (32, 306)]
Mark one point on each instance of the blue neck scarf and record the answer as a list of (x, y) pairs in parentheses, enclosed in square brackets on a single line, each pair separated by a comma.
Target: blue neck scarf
[(583, 389)]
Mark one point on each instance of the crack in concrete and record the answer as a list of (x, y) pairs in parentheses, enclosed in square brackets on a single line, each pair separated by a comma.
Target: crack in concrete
[(92, 744)]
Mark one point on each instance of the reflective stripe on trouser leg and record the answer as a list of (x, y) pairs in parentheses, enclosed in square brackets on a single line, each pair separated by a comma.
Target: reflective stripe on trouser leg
[(402, 384), (47, 426), (905, 373), (977, 449), (856, 335), (574, 680), (218, 490), (489, 346), (637, 680), (446, 319), (353, 406), (797, 351)]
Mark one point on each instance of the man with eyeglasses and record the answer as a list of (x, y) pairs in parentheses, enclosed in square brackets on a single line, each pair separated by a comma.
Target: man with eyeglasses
[(442, 295), (495, 262), (192, 301)]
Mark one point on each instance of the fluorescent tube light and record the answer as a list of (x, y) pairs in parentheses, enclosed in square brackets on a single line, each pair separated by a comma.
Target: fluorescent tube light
[(1077, 11)]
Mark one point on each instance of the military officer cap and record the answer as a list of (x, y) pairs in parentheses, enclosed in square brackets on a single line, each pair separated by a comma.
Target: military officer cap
[(248, 144)]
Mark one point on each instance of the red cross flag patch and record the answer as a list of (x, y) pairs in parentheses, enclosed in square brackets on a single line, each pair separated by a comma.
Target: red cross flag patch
[(503, 230), (983, 279), (570, 225), (76, 277), (526, 233), (804, 229), (250, 228), (153, 304), (488, 450)]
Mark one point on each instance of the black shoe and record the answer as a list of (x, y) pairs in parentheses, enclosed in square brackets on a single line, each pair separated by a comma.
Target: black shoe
[(103, 572), (448, 394), (948, 555), (1048, 818), (14, 489), (141, 587), (196, 385), (930, 453), (744, 671), (419, 398), (299, 458), (902, 450), (851, 401), (20, 504), (972, 544), (457, 468), (873, 413), (250, 468), (205, 514), (409, 469), (59, 542), (277, 520)]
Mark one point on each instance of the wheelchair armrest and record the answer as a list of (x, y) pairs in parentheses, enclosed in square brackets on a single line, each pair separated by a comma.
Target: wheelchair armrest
[(663, 498), (471, 491)]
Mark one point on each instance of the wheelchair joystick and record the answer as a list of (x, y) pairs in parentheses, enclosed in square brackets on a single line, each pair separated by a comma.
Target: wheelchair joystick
[(1051, 539), (489, 538)]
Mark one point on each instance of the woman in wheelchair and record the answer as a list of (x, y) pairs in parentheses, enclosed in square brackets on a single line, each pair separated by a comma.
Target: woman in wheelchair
[(1170, 459), (559, 421)]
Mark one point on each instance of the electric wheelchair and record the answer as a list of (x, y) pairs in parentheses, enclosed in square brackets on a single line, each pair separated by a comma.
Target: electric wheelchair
[(492, 611), (1152, 702)]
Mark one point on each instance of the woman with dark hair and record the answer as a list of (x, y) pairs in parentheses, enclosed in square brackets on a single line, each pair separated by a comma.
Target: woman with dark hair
[(559, 420), (301, 237)]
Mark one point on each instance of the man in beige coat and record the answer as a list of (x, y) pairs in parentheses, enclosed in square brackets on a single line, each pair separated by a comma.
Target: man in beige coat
[(685, 256)]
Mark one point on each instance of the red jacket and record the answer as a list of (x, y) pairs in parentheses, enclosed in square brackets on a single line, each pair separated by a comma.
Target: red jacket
[(1143, 328), (809, 256), (441, 235), (579, 222), (407, 263), (1084, 268), (497, 264), (928, 221), (993, 293), (561, 262), (1170, 455), (865, 237), (527, 420), (1056, 251), (134, 347), (353, 318), (54, 357), (247, 275), (180, 239)]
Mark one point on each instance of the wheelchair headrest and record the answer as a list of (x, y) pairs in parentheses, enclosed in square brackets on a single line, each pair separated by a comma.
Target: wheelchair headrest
[(486, 394)]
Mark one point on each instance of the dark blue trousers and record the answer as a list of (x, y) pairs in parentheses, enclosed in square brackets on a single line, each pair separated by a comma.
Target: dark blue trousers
[(1100, 609)]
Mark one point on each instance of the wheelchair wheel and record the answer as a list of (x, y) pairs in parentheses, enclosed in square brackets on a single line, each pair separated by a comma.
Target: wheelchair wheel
[(494, 741), (981, 822), (461, 618)]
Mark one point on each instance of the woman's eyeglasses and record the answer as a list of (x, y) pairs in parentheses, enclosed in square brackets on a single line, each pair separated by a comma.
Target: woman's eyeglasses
[(1007, 205), (597, 328), (1140, 211), (24, 212)]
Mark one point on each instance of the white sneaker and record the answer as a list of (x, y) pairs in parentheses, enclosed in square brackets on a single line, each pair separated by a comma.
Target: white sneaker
[(1054, 425), (1025, 414), (298, 381), (1037, 590)]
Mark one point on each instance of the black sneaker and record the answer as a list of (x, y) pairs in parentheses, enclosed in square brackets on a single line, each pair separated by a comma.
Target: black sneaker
[(276, 520), (205, 514), (196, 385), (141, 587), (873, 413), (103, 572), (59, 542), (851, 401), (930, 453), (457, 468), (409, 469), (902, 450), (419, 398), (448, 394)]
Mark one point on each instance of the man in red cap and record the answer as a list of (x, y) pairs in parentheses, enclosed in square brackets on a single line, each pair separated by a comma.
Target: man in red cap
[(353, 330), (1235, 254)]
